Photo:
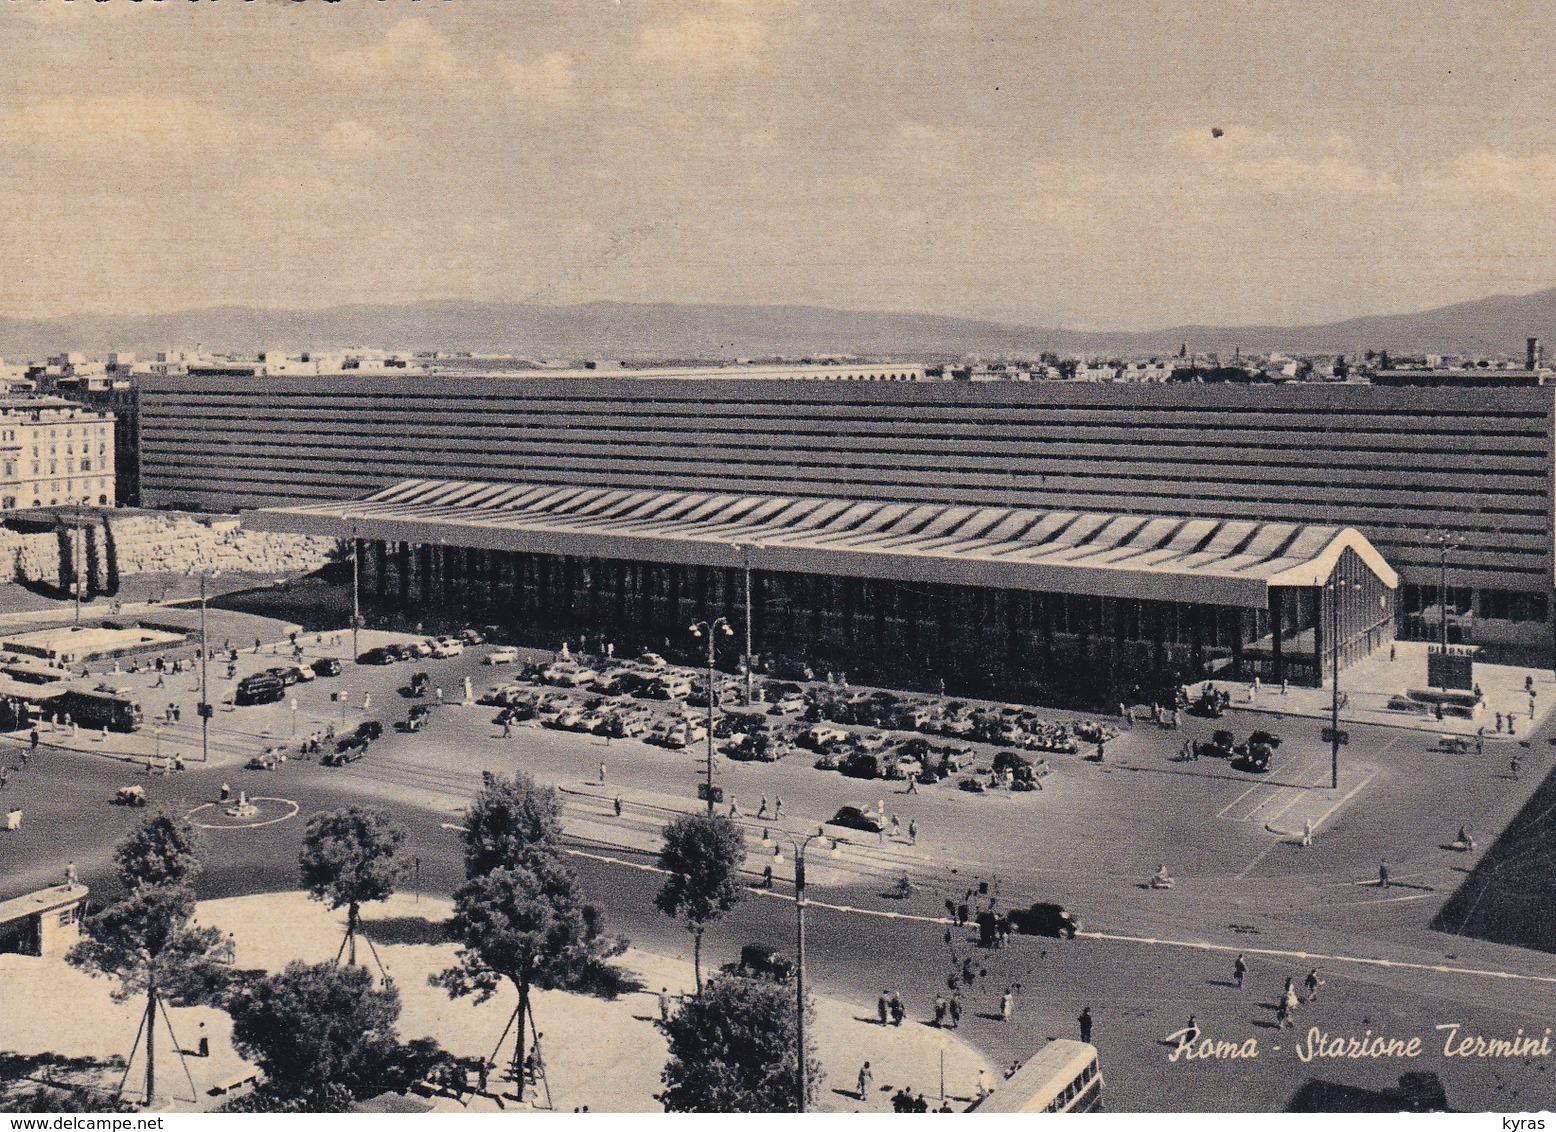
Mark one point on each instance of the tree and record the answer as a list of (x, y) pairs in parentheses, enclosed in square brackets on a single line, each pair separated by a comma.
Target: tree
[(351, 857), (529, 925), (323, 1034), (161, 850), (147, 943), (510, 820), (702, 855), (733, 1048)]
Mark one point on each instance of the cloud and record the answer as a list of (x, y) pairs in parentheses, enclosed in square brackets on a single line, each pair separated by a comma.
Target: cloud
[(546, 82), (1488, 173), (1246, 159), (411, 51), (350, 138), (728, 41), (150, 127)]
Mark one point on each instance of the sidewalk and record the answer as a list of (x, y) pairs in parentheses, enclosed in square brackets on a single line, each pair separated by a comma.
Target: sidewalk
[(1368, 685), (601, 1054)]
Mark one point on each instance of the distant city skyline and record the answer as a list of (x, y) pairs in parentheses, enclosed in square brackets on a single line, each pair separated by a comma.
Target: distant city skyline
[(1045, 164)]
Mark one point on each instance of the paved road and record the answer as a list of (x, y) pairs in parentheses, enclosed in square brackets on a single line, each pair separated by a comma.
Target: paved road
[(1088, 839)]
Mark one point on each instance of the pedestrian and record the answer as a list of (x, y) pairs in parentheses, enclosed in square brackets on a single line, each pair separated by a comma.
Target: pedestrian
[(912, 833), (1085, 1024), (1283, 1015), (367, 700), (1191, 1031), (866, 1080), (1311, 985), (940, 1009), (1383, 874), (912, 784), (1283, 685), (1007, 1005), (1480, 741), (507, 727), (204, 1046), (761, 811), (734, 807), (438, 694), (777, 807), (602, 774), (898, 1011), (1239, 969), (1307, 833), (1393, 653), (1499, 723), (618, 805), (896, 826), (883, 1008), (985, 1087), (955, 1011), (767, 876), (72, 877), (1513, 766), (33, 738), (664, 1004)]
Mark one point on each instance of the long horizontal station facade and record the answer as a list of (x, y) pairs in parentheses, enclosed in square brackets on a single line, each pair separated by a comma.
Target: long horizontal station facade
[(1059, 606), (1398, 465)]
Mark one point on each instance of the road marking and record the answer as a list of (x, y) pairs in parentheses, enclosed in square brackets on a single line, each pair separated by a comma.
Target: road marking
[(1311, 956), (1222, 812)]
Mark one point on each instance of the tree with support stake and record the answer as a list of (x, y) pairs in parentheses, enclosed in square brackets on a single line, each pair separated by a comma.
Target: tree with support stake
[(519, 915), (701, 857), (146, 940), (351, 857)]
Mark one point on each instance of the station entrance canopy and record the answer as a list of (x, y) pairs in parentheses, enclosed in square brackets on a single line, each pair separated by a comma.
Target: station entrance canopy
[(1218, 562)]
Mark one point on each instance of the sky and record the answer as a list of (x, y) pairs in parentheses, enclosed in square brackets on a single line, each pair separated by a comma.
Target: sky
[(1049, 163)]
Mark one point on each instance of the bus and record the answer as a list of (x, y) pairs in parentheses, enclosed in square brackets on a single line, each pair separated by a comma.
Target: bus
[(97, 710), (1063, 1076)]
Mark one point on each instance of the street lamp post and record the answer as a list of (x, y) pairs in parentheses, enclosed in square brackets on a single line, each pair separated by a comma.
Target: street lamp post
[(1444, 543), (799, 848), (356, 597), (1335, 588), (709, 630), (745, 554), (205, 666)]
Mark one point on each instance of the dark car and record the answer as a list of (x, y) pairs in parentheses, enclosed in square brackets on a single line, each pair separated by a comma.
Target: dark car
[(421, 683), (344, 755), (380, 655), (859, 764), (1044, 919), (856, 817), (326, 666), (402, 651), (259, 689), (760, 960), (370, 729), (286, 674)]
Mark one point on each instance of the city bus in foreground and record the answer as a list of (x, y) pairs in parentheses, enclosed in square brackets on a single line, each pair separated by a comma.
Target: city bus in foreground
[(1063, 1076)]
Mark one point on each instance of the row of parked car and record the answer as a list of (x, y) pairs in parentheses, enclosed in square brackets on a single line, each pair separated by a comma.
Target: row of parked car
[(270, 686), (440, 647)]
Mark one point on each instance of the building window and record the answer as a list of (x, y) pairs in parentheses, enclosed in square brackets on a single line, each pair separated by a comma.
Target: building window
[(86, 465), (8, 502), (102, 500)]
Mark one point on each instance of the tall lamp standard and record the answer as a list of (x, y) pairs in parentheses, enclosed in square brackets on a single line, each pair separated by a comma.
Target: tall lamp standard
[(799, 847), (1335, 588), (205, 710), (1444, 542), (356, 596), (709, 630), (745, 555)]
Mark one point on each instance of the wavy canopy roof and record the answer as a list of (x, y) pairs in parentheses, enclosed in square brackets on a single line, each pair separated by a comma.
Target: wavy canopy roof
[(1206, 561)]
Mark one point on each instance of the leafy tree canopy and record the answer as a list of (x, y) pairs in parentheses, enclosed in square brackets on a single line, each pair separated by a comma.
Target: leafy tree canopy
[(733, 1049), (351, 856), (161, 850), (510, 821), (702, 855)]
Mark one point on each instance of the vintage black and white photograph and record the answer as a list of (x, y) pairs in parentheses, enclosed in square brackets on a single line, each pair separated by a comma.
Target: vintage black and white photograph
[(777, 556)]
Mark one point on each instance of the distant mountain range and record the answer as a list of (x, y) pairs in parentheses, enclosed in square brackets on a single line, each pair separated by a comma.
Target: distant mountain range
[(663, 331)]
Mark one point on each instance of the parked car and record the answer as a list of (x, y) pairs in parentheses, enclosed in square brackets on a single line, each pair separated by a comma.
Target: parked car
[(472, 637), (856, 817), (821, 737), (506, 654), (860, 764), (261, 688), (566, 674), (326, 666), (402, 651), (762, 961), (792, 704), (287, 674), (383, 654), (445, 647), (421, 684)]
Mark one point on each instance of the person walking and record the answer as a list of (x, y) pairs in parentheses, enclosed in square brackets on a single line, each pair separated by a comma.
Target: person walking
[(1513, 766), (896, 827), (1191, 1031), (761, 811), (602, 774), (1307, 833), (507, 727), (866, 1081), (912, 833), (767, 876), (883, 1008), (617, 805), (664, 1004), (985, 1086), (1007, 1004), (1239, 969), (1085, 1024), (940, 1008), (898, 1011), (955, 1011), (1310, 985), (1383, 874), (33, 739), (734, 807), (777, 807), (912, 784)]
